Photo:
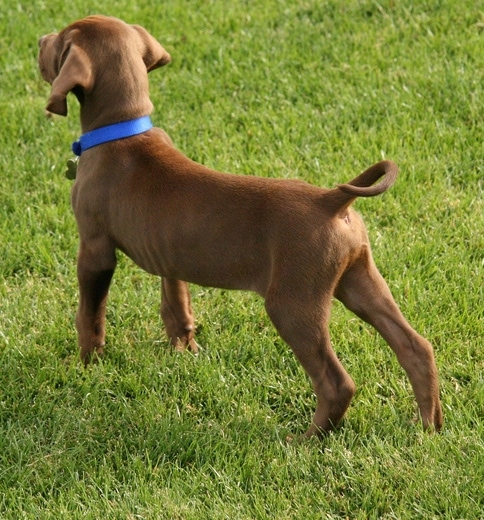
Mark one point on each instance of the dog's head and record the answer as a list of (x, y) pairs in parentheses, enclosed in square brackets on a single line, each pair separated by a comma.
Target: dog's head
[(86, 53)]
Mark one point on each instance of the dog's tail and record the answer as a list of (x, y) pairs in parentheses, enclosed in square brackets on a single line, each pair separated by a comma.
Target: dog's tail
[(362, 186)]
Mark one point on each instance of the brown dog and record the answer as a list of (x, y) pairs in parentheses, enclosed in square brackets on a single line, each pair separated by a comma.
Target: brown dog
[(294, 244)]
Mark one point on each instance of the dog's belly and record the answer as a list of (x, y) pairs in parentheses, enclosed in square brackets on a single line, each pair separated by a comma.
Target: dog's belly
[(214, 266)]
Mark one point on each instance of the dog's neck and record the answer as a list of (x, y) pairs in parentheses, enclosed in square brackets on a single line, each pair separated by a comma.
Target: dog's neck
[(106, 105), (93, 117)]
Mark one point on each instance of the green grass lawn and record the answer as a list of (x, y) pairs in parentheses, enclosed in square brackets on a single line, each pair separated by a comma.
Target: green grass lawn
[(302, 89)]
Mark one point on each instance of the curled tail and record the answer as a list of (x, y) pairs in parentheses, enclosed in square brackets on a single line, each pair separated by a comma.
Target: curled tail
[(362, 186)]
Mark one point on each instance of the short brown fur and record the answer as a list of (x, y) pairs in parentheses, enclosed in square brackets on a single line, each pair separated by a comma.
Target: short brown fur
[(295, 244)]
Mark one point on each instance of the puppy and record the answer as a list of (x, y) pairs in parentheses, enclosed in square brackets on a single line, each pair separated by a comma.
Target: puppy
[(294, 244)]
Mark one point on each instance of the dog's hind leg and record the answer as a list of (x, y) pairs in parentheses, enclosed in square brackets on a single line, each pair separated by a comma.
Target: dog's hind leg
[(304, 326), (95, 269), (177, 314), (364, 291)]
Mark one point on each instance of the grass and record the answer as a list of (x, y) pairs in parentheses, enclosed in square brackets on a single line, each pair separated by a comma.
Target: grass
[(303, 89)]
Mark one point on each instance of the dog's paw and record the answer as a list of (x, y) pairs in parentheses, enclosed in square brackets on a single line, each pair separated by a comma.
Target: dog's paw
[(192, 346)]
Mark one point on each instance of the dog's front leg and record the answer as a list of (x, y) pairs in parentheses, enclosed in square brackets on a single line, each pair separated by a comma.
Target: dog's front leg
[(177, 314), (94, 272)]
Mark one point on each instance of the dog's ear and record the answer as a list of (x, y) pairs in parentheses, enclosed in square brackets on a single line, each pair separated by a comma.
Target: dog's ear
[(154, 55), (75, 71)]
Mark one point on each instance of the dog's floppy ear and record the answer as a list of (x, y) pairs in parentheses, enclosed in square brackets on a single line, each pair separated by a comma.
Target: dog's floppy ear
[(154, 55), (75, 71)]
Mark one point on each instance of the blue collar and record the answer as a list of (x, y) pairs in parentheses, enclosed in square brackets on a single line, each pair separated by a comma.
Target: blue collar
[(111, 133)]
